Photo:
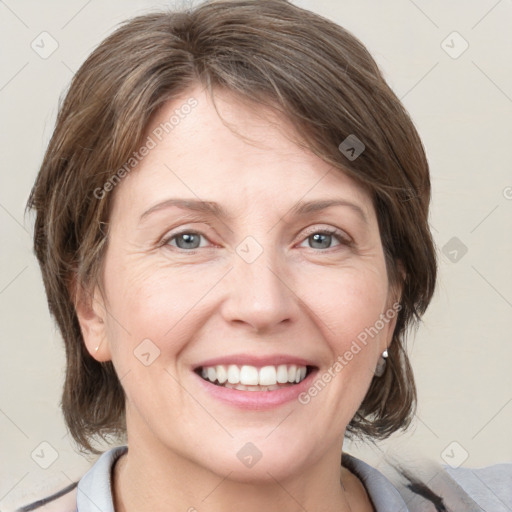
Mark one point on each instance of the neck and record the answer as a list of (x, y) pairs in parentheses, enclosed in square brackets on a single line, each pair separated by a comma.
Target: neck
[(149, 480)]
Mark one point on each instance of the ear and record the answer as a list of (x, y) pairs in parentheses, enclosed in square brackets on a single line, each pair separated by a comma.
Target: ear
[(92, 317)]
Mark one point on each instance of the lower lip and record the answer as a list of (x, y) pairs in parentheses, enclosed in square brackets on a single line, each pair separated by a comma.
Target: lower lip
[(259, 400)]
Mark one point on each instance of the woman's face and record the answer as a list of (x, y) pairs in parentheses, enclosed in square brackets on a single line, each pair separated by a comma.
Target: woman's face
[(254, 274)]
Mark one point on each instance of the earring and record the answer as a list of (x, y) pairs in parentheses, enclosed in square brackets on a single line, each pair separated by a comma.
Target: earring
[(98, 346), (381, 365)]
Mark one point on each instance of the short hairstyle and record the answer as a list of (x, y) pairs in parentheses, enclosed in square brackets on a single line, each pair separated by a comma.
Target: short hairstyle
[(318, 76)]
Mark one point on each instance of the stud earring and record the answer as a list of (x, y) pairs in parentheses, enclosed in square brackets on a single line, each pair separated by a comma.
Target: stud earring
[(381, 365)]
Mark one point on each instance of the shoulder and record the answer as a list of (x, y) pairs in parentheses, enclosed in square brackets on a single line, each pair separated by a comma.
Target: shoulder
[(424, 480), (383, 494), (490, 487), (423, 484), (92, 489), (63, 500)]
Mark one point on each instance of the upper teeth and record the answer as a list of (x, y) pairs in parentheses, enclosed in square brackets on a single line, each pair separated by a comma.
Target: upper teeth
[(253, 376)]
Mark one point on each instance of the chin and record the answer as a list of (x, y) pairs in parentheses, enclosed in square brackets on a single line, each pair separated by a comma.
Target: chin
[(258, 461)]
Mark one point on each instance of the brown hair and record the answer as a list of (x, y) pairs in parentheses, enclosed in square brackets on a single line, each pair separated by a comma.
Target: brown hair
[(319, 76)]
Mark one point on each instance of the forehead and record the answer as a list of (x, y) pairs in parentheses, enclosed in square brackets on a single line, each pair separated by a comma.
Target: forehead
[(231, 151)]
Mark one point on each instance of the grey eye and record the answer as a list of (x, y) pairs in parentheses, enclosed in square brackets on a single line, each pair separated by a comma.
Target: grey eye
[(189, 240), (323, 240)]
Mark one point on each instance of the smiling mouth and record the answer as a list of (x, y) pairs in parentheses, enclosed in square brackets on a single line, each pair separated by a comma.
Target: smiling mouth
[(252, 378)]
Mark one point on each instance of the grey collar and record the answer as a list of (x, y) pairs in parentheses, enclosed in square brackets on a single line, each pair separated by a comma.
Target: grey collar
[(95, 487)]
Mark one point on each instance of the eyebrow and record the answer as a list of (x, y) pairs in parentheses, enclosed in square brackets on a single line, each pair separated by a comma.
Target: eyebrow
[(302, 208)]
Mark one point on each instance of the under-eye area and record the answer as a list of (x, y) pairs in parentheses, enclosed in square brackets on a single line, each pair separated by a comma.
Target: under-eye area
[(253, 378)]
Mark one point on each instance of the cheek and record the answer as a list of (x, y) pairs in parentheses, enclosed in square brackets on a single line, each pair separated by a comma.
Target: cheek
[(347, 300), (149, 299), (348, 303)]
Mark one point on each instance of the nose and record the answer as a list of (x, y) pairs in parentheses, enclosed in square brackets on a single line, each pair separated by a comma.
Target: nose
[(260, 294)]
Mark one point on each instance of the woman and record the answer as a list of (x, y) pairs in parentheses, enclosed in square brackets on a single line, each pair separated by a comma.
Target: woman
[(232, 225)]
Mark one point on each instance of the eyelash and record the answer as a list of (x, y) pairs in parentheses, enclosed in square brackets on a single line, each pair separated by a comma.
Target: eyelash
[(339, 235)]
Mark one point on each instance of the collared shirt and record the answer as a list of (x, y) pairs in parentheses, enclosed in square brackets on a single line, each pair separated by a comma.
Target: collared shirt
[(487, 489), (95, 488)]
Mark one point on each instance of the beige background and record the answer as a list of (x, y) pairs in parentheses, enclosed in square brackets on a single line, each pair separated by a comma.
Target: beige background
[(462, 106)]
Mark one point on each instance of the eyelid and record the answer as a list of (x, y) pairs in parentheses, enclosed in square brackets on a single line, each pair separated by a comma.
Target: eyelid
[(343, 235), (184, 227)]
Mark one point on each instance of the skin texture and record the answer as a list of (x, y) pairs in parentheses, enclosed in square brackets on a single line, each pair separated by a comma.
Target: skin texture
[(299, 297)]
